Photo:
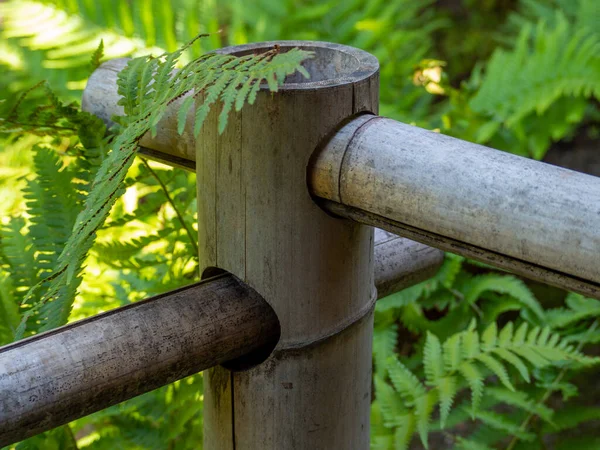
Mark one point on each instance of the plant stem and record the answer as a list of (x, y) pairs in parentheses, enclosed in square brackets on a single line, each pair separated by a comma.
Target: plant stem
[(71, 437), (548, 393), (172, 203)]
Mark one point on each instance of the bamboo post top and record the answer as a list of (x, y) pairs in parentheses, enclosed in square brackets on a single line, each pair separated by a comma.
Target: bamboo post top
[(332, 65), (256, 217)]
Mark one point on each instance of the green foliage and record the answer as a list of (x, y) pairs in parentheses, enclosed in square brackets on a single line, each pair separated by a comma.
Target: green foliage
[(514, 75), (43, 42), (467, 360), (398, 32), (169, 417), (576, 318), (530, 85), (60, 438), (97, 56), (570, 50), (52, 118), (475, 376), (540, 88), (52, 199)]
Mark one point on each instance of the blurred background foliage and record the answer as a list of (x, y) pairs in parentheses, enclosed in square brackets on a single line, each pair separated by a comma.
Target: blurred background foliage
[(519, 75)]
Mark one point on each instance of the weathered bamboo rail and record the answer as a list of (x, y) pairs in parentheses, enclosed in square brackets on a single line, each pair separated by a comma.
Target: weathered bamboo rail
[(64, 374), (525, 216), (401, 263)]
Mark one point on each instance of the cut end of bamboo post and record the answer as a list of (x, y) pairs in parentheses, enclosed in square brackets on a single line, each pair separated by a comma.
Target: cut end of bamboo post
[(332, 64)]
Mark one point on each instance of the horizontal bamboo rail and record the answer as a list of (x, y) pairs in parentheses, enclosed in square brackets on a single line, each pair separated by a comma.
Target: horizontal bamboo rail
[(525, 216), (401, 263), (64, 374), (520, 215)]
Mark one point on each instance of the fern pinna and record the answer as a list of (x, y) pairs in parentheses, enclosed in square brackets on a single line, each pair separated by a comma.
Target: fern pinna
[(431, 362), (539, 87), (147, 86), (465, 360)]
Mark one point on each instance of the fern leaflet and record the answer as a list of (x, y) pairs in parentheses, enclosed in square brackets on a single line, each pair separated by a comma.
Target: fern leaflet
[(464, 360)]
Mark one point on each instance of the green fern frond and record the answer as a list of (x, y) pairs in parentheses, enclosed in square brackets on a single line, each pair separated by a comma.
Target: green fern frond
[(55, 44), (521, 401), (97, 56), (52, 203), (567, 51), (555, 59), (119, 251), (578, 308), (474, 379), (424, 406), (450, 269), (199, 76), (584, 337), (506, 335), (52, 118), (571, 417), (468, 354), (504, 424), (384, 343), (453, 352), (404, 432), (19, 252), (400, 299), (9, 309), (381, 436), (489, 338), (468, 444), (391, 405), (503, 284), (433, 360), (447, 388), (470, 344), (404, 381), (515, 361), (520, 334), (496, 368)]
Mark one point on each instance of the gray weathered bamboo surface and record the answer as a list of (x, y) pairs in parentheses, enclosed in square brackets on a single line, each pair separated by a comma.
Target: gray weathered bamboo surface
[(522, 215), (64, 374), (257, 220), (401, 263)]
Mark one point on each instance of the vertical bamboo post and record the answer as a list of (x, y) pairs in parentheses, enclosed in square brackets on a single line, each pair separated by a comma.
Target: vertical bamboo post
[(256, 219)]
